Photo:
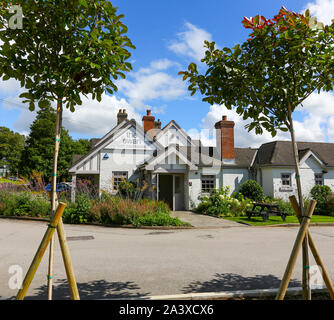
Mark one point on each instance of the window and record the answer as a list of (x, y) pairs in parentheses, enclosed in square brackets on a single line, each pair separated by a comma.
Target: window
[(286, 179), (319, 179), (208, 183), (118, 177)]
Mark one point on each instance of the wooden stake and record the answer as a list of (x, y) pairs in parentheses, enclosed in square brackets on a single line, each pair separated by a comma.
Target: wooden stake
[(67, 261), (306, 262), (296, 248), (53, 191), (314, 250), (40, 252)]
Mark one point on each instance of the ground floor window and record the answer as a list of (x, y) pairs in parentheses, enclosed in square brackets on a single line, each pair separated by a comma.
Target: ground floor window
[(118, 177), (208, 183), (286, 179), (319, 179)]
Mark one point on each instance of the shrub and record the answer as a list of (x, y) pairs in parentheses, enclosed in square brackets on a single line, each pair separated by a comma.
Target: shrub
[(219, 203), (121, 211), (158, 219), (8, 201), (330, 204), (40, 207), (320, 194), (127, 189), (78, 212), (285, 206), (252, 190)]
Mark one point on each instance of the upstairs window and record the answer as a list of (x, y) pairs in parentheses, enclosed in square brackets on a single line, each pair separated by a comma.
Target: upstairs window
[(319, 179), (286, 179), (118, 177), (208, 183)]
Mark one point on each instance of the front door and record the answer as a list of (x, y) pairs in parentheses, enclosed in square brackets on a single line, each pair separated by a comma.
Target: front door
[(178, 193), (171, 190), (166, 189)]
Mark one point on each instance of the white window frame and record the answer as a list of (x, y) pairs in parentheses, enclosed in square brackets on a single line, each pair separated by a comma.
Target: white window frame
[(117, 178), (319, 179), (285, 179), (208, 180)]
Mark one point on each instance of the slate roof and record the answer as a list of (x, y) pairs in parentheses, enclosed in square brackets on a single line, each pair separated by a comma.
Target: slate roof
[(280, 152), (208, 156)]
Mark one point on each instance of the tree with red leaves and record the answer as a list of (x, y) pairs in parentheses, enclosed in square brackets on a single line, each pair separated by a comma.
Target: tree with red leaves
[(267, 77)]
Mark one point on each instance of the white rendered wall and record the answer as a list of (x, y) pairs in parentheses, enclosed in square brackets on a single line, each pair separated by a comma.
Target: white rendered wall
[(172, 136), (234, 177), (307, 172), (267, 181)]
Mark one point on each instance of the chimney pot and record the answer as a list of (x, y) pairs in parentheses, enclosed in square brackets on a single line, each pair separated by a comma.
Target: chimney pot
[(225, 138), (148, 121), (121, 116)]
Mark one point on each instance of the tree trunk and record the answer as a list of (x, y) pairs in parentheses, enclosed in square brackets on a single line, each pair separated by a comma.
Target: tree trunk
[(53, 190), (306, 264)]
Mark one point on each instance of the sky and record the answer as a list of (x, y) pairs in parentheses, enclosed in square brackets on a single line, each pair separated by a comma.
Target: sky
[(168, 35)]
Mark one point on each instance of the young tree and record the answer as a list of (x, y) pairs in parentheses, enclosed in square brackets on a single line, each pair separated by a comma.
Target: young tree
[(284, 61), (65, 49), (11, 147)]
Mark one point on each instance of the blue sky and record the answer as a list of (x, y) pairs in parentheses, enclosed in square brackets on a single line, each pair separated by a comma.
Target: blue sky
[(168, 36)]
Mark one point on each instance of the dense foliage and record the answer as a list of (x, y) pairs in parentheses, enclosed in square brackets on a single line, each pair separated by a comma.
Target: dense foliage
[(39, 148), (23, 203), (219, 203), (65, 48), (322, 194), (109, 209), (11, 147), (119, 211), (251, 189)]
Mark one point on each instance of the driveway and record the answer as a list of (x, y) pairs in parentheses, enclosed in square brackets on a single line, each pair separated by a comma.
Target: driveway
[(131, 263), (203, 221)]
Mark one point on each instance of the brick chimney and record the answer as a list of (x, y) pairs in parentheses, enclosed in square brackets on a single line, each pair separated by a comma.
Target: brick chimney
[(148, 121), (225, 139), (121, 116), (157, 124)]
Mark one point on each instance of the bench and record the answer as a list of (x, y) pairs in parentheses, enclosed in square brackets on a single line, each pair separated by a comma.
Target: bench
[(266, 210)]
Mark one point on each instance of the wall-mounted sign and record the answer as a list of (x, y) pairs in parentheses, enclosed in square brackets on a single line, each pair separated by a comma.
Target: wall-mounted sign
[(132, 139)]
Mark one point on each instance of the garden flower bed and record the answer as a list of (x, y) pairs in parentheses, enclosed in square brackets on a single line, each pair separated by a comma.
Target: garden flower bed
[(109, 210)]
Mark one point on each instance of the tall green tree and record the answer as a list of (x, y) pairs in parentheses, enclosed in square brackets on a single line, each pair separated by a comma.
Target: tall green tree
[(39, 148), (11, 147), (66, 48), (267, 77)]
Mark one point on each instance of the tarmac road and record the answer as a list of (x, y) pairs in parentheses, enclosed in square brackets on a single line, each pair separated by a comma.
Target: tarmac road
[(130, 263)]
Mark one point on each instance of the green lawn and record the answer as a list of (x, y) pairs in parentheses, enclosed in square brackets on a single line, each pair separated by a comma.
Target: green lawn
[(258, 221)]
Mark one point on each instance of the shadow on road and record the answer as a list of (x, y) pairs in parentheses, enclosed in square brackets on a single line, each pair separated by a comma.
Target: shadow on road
[(97, 289), (233, 282)]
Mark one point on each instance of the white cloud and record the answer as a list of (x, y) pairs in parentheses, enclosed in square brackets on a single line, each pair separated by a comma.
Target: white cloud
[(242, 138), (191, 42), (322, 9), (157, 65), (317, 124), (97, 118), (9, 87), (151, 83), (92, 118)]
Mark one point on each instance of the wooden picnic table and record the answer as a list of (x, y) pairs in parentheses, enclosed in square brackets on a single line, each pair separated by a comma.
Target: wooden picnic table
[(266, 210)]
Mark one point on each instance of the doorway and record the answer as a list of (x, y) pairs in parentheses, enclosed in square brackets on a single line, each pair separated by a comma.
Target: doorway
[(171, 190)]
